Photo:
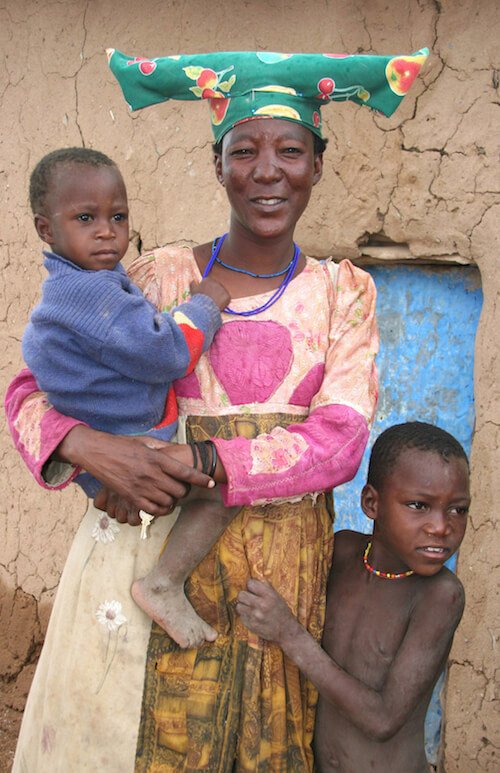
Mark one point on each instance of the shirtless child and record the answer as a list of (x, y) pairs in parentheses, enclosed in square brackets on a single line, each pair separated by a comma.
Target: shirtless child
[(105, 355), (392, 607)]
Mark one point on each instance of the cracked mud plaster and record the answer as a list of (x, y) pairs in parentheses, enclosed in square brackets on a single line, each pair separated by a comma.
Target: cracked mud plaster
[(423, 184)]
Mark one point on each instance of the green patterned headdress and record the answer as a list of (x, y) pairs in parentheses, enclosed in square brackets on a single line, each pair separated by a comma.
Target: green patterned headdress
[(240, 85)]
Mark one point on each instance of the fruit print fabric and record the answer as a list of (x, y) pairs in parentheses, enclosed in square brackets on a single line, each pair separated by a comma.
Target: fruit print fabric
[(244, 84)]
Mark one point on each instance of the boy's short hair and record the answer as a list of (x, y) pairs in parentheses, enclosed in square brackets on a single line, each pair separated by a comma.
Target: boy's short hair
[(41, 176), (413, 434)]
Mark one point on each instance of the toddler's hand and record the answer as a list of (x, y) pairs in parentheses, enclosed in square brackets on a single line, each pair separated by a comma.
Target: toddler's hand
[(265, 612), (213, 289)]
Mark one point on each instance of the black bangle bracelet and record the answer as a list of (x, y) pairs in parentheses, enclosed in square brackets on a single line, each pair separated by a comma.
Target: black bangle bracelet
[(213, 448), (203, 451), (192, 446)]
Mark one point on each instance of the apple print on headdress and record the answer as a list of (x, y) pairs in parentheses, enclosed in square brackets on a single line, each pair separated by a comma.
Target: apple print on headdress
[(208, 81), (402, 71), (326, 87), (218, 110), (241, 85), (146, 66)]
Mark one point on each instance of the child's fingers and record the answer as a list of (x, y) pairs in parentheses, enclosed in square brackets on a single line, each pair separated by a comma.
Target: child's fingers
[(247, 599), (259, 587)]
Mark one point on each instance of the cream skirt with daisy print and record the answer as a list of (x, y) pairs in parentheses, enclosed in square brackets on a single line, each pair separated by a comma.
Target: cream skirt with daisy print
[(84, 706)]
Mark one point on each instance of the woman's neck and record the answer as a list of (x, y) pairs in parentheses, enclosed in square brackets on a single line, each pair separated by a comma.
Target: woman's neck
[(256, 254), (251, 253)]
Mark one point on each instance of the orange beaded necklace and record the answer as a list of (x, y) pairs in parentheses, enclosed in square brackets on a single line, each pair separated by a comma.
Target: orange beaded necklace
[(378, 573)]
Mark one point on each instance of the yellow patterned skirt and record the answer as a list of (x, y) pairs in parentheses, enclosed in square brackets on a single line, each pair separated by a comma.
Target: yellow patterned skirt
[(238, 704)]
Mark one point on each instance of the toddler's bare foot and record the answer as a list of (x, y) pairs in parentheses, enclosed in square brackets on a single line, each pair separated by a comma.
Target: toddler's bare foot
[(168, 606)]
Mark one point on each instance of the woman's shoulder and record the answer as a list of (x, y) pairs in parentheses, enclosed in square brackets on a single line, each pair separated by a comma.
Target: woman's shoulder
[(164, 274), (343, 275)]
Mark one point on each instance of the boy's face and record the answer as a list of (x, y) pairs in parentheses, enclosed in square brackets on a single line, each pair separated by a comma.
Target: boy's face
[(85, 218), (420, 511)]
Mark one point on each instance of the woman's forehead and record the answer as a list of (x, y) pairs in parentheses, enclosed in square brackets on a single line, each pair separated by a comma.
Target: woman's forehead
[(275, 128)]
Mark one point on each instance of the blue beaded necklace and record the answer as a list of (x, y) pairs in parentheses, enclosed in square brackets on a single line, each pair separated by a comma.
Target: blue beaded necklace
[(289, 271)]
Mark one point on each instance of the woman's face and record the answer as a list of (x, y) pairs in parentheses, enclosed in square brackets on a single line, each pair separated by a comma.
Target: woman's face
[(268, 169)]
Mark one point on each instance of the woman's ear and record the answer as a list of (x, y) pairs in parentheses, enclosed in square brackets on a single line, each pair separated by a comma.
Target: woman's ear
[(318, 168), (218, 168), (44, 229), (369, 501)]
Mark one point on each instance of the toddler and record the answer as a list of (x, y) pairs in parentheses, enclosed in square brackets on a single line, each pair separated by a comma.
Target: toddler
[(106, 356)]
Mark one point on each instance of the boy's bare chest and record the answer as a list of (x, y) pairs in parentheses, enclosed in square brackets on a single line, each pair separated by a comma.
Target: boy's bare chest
[(365, 625)]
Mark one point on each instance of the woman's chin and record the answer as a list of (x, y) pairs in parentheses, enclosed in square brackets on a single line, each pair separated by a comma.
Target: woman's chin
[(270, 228)]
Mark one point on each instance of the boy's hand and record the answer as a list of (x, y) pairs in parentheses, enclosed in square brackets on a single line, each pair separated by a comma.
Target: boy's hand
[(265, 612), (213, 289)]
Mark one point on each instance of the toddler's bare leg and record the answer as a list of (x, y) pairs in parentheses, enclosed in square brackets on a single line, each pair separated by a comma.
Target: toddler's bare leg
[(161, 592)]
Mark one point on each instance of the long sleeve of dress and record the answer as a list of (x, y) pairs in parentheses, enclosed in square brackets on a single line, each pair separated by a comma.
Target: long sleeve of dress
[(37, 429), (326, 449)]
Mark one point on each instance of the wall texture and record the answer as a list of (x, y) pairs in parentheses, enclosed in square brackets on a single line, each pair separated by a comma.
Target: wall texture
[(423, 185)]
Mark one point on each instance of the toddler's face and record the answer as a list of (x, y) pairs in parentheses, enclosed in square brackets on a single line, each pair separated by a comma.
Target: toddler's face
[(86, 217)]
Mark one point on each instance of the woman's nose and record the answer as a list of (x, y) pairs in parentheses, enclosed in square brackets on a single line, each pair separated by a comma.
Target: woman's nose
[(267, 167)]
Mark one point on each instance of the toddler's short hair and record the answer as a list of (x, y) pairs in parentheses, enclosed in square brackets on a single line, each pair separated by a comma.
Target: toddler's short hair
[(413, 434), (41, 176)]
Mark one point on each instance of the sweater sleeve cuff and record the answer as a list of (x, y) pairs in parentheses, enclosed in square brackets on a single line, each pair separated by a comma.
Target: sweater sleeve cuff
[(205, 314)]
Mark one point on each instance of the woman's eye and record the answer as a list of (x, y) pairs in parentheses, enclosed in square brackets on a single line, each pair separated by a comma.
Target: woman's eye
[(292, 150), (241, 152)]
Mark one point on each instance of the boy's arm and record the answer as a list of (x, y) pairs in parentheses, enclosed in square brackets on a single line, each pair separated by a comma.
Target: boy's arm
[(153, 347), (379, 714)]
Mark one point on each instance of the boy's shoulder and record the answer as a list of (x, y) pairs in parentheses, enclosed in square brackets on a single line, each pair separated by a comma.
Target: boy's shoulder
[(348, 546), (347, 540), (444, 589)]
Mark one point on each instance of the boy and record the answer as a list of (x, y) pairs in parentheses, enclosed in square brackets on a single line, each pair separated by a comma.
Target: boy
[(105, 355), (392, 607)]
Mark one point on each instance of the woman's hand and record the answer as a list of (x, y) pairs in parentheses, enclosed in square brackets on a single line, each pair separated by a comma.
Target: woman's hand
[(265, 612), (120, 508), (144, 471)]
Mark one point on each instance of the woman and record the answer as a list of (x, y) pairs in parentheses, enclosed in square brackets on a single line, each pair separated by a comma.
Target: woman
[(287, 393)]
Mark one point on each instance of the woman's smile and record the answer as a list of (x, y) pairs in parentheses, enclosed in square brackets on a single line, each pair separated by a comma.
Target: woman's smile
[(268, 202)]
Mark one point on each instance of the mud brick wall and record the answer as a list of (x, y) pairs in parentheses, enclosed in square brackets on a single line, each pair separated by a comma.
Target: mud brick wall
[(421, 186)]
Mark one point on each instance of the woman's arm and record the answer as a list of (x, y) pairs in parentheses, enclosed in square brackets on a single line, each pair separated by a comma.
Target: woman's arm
[(379, 714), (138, 468), (326, 449), (37, 429)]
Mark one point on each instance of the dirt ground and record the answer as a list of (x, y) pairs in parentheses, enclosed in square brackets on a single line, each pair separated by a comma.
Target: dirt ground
[(10, 721)]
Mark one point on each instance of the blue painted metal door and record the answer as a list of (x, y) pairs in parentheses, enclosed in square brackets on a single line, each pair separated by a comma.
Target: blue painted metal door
[(427, 319)]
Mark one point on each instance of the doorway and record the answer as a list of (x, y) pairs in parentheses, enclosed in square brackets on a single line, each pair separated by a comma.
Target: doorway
[(427, 317)]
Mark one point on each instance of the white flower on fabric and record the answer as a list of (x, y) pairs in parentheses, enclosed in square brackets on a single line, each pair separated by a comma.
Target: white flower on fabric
[(110, 615), (105, 529)]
